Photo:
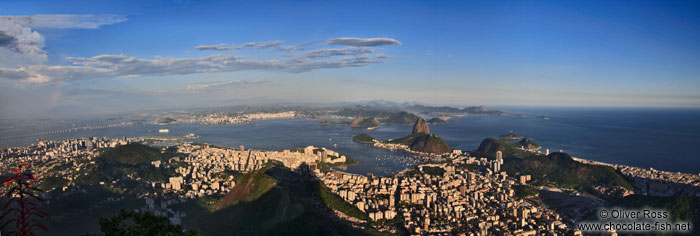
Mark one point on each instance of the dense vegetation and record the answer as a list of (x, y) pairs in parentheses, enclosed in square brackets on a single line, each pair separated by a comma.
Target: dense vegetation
[(433, 170), (133, 160), (490, 146), (400, 118), (522, 191), (249, 187), (561, 170), (80, 211), (165, 120), (481, 110), (366, 123), (529, 144), (133, 154), (364, 111), (334, 201), (330, 122), (681, 208), (436, 121), (510, 136), (557, 169), (422, 142), (363, 138), (141, 223), (325, 166)]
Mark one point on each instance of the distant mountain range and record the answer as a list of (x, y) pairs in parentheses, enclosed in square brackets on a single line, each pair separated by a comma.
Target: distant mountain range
[(420, 108)]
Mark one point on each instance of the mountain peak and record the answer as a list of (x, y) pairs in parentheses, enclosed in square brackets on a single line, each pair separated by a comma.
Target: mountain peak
[(421, 127)]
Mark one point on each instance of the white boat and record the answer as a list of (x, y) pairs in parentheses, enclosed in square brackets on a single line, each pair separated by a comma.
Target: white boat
[(163, 130)]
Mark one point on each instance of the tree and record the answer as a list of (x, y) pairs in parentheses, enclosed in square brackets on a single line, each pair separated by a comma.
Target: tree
[(128, 223), (22, 207)]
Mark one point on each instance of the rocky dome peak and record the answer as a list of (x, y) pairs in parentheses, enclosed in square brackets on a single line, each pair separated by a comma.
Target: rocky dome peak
[(421, 127)]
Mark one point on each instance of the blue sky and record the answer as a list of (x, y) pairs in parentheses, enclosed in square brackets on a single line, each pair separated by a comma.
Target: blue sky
[(102, 56)]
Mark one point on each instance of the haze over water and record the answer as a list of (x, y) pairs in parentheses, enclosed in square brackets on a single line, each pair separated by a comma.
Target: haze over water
[(665, 139)]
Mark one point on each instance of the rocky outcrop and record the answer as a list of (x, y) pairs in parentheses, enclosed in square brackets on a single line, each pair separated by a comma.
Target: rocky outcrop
[(661, 188), (356, 121), (421, 127)]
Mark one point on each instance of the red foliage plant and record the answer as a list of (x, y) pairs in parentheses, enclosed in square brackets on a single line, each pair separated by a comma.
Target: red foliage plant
[(22, 207)]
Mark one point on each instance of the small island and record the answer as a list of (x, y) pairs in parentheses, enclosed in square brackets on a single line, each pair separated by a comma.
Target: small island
[(364, 138)]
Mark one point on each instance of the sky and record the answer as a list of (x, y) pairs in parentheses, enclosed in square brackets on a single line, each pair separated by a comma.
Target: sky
[(93, 57)]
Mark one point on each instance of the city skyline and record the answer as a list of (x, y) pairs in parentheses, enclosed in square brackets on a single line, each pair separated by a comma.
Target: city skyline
[(91, 57)]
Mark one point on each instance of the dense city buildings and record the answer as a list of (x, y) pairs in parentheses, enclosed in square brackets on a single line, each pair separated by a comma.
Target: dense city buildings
[(459, 194)]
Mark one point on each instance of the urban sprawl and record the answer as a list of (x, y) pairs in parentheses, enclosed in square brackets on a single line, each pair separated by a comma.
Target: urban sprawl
[(430, 198)]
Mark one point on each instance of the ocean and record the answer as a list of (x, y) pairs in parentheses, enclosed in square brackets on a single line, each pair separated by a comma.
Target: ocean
[(664, 139)]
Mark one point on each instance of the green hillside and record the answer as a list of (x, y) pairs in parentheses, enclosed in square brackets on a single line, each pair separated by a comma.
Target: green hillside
[(368, 123), (363, 138), (557, 169), (166, 120), (510, 136), (437, 121), (249, 187), (133, 154), (529, 144), (334, 201), (330, 122), (422, 142), (490, 146), (400, 118), (384, 116)]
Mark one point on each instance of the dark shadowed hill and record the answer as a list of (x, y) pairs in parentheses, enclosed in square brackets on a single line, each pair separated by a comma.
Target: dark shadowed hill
[(421, 142), (292, 207), (529, 144)]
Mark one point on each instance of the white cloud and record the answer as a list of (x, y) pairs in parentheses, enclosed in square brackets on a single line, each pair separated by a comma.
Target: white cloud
[(219, 85), (20, 43), (73, 21), (329, 52), (382, 55), (123, 66), (113, 66), (259, 45), (363, 42)]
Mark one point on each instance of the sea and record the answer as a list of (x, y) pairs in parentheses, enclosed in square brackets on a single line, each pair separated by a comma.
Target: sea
[(663, 139)]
